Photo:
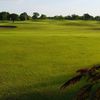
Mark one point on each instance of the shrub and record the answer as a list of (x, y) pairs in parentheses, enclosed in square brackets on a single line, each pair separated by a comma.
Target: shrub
[(92, 79)]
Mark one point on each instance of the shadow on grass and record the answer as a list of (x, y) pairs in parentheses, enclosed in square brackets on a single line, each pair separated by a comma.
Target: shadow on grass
[(97, 29), (42, 91), (39, 96)]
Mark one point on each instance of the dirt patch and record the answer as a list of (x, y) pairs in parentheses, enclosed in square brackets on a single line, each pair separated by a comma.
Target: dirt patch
[(7, 26)]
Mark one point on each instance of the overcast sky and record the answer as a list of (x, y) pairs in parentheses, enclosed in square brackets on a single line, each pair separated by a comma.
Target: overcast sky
[(52, 7)]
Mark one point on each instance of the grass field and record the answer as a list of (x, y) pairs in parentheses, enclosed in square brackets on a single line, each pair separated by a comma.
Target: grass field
[(36, 58)]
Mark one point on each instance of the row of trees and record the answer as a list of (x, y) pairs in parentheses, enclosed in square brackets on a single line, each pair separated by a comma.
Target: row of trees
[(77, 17), (24, 16)]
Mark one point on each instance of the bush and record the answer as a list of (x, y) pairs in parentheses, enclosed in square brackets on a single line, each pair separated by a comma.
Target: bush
[(92, 76)]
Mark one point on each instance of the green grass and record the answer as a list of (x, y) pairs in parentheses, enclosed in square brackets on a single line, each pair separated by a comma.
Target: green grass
[(36, 58)]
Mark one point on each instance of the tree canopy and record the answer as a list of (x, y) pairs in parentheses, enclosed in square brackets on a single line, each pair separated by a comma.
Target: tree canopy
[(24, 16)]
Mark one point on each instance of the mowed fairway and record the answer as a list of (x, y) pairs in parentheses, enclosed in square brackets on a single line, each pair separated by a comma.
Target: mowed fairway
[(36, 58)]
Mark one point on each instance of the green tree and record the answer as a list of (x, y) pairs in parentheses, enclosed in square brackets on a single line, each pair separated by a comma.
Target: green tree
[(29, 17), (4, 16), (14, 17), (23, 16), (60, 17), (97, 18), (35, 15), (75, 17), (43, 16), (87, 17), (68, 17)]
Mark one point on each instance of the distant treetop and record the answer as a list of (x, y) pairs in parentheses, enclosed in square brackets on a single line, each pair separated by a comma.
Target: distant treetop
[(24, 16)]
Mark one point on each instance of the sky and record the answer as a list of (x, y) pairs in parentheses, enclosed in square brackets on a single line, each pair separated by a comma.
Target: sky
[(51, 7)]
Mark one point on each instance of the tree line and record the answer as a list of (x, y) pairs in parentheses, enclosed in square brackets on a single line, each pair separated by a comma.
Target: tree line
[(24, 16)]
